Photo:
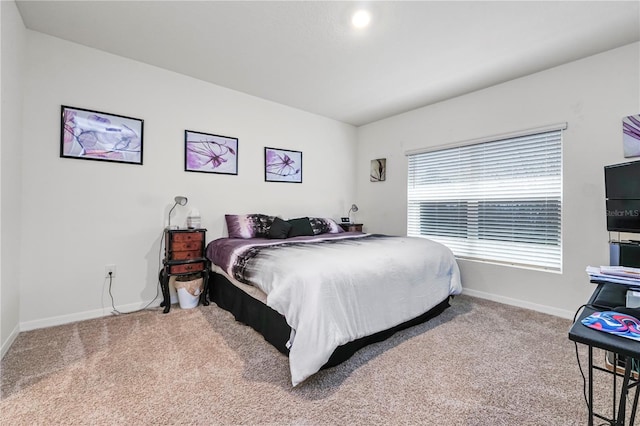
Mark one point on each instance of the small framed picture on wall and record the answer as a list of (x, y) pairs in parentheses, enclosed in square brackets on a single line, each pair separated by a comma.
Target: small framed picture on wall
[(282, 165), (631, 136), (209, 153), (378, 171)]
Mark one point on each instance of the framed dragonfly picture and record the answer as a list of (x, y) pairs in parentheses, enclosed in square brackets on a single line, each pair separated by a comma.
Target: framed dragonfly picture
[(95, 135), (282, 165), (207, 153)]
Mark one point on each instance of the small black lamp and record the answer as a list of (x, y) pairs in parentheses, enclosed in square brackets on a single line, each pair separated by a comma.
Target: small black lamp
[(179, 199), (354, 209)]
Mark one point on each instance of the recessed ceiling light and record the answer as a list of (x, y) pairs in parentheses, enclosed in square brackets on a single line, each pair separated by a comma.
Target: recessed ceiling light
[(361, 19)]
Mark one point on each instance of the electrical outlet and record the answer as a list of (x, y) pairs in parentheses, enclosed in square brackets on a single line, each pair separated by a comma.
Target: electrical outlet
[(110, 269)]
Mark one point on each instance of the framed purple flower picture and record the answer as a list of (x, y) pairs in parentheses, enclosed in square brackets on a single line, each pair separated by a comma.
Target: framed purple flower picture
[(94, 135), (282, 165), (207, 153), (631, 136)]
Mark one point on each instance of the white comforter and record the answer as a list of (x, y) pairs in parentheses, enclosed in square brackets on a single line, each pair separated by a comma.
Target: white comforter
[(334, 293)]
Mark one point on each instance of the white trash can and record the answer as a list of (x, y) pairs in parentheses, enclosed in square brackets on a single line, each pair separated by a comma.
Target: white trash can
[(189, 292), (186, 299)]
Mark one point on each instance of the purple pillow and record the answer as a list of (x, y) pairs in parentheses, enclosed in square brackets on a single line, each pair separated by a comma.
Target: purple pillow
[(324, 225), (248, 225)]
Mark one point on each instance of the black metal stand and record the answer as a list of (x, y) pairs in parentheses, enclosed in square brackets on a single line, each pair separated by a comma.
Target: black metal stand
[(623, 348), (628, 383)]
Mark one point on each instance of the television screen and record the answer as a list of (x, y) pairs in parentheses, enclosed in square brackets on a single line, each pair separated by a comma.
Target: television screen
[(623, 215), (622, 181)]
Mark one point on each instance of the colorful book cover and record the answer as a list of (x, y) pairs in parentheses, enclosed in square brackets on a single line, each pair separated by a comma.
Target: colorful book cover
[(614, 323)]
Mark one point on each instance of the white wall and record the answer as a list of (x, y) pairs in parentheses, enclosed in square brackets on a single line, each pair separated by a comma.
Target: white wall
[(11, 76), (592, 95), (76, 216), (80, 215)]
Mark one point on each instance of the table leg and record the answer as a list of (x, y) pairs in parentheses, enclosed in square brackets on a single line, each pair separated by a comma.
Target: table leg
[(204, 297), (635, 404), (616, 361), (161, 281), (164, 284), (590, 422), (623, 392)]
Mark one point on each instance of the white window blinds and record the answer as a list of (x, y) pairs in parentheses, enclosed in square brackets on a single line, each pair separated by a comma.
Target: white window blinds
[(499, 201)]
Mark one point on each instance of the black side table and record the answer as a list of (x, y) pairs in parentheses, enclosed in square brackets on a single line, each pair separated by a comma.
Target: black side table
[(625, 348), (184, 254)]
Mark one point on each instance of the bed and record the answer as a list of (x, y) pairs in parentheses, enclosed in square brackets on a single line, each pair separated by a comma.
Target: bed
[(319, 298)]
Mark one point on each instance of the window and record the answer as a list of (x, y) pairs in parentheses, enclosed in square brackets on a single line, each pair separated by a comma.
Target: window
[(498, 200)]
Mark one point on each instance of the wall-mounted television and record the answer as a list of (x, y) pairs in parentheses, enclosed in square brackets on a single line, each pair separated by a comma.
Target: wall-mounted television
[(622, 189)]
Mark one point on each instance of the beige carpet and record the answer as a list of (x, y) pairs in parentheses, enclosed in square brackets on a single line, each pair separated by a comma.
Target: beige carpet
[(479, 363)]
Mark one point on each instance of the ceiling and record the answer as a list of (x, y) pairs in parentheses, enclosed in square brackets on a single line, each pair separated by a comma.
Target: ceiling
[(307, 55)]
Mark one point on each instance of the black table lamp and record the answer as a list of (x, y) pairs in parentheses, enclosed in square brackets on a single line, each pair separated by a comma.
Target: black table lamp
[(354, 209), (179, 199)]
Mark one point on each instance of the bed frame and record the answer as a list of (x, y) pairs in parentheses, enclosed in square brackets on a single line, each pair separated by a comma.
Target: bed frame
[(275, 329)]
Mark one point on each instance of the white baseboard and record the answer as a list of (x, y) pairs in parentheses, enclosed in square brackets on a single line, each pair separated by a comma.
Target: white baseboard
[(520, 303), (97, 313), (7, 344), (81, 316)]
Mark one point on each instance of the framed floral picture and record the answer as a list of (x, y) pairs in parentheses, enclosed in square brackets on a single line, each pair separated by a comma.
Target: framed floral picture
[(631, 136), (95, 135), (282, 165), (208, 153)]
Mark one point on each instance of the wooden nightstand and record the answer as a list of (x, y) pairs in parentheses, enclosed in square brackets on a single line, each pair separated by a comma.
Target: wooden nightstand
[(184, 254), (351, 227)]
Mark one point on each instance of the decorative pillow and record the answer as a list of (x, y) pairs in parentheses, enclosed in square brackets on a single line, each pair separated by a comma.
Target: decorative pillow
[(334, 228), (319, 225), (279, 228), (300, 226), (323, 225), (248, 225)]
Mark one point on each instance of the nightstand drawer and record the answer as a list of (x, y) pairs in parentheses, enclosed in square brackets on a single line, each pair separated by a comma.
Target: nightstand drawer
[(186, 255), (186, 268), (187, 237), (186, 246)]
